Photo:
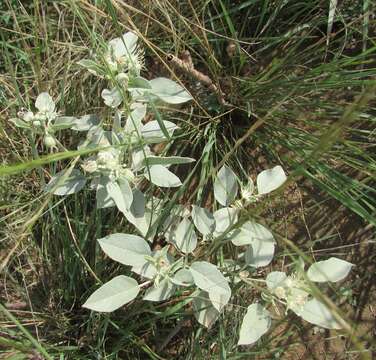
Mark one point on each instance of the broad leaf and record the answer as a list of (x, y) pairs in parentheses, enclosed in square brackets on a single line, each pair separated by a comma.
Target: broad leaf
[(275, 279), (317, 313), (113, 294), (271, 179), (85, 122), (44, 103), (205, 313), (162, 292), (225, 186), (332, 270), (251, 232), (259, 253), (152, 132), (162, 177), (124, 46), (224, 218), (127, 249), (256, 323), (104, 200), (185, 237), (203, 220), (112, 98), (169, 91), (208, 278), (183, 277), (60, 185), (121, 193)]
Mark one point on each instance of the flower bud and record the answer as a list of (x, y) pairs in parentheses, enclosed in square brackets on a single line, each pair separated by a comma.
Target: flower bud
[(49, 141)]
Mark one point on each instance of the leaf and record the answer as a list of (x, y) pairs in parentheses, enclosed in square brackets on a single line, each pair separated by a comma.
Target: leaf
[(275, 279), (44, 103), (250, 232), (169, 91), (20, 123), (224, 219), (259, 253), (125, 45), (332, 270), (225, 186), (271, 179), (152, 132), (70, 185), (166, 161), (162, 292), (162, 177), (112, 98), (205, 313), (85, 122), (113, 294), (126, 249), (317, 313), (256, 323), (139, 82), (133, 123), (63, 122), (104, 200), (208, 278), (121, 193), (92, 67), (203, 220), (183, 277), (185, 237)]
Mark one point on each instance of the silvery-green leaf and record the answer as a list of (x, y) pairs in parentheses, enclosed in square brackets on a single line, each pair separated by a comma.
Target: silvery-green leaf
[(208, 278), (205, 313), (259, 253), (92, 67), (113, 294), (251, 232), (85, 122), (121, 193), (169, 91), (162, 292), (112, 98), (139, 82), (275, 279), (166, 161), (138, 157), (152, 132), (147, 270), (44, 103), (271, 179), (185, 237), (203, 220), (125, 45), (332, 270), (315, 312), (183, 277), (256, 323), (20, 123), (126, 249), (224, 219), (63, 122), (70, 185), (104, 200), (162, 177), (140, 216), (134, 121), (225, 186)]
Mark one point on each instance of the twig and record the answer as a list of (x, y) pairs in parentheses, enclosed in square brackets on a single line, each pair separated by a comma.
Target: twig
[(187, 66)]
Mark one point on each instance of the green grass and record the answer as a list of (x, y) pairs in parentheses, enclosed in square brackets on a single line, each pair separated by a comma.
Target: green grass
[(295, 95)]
